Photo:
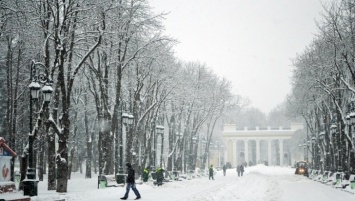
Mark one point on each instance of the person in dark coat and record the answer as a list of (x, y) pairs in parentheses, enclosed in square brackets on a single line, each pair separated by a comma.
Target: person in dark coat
[(238, 170), (130, 183), (210, 170), (224, 170), (241, 170)]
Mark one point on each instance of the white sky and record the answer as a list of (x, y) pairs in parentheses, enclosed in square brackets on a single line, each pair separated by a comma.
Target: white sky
[(259, 183), (250, 42)]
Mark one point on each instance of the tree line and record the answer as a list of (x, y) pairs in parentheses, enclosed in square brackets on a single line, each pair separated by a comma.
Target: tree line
[(323, 90), (103, 59)]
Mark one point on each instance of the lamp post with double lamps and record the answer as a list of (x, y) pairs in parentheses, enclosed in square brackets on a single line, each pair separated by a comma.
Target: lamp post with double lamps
[(39, 76), (335, 134), (314, 152), (324, 147)]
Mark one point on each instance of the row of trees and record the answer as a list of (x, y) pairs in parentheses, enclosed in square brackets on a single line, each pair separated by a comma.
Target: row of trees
[(103, 58), (323, 90)]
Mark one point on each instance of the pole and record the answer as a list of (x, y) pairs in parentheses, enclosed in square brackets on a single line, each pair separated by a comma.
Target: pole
[(30, 183), (120, 176), (154, 148), (339, 152)]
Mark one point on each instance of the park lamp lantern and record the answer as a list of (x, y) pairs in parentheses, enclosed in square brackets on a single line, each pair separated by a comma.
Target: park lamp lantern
[(125, 118), (313, 139), (130, 119), (348, 119), (352, 118), (34, 88), (47, 92), (322, 135), (333, 129), (160, 129), (178, 134)]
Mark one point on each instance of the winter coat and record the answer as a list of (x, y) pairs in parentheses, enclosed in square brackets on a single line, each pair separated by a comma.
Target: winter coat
[(160, 174), (130, 176), (145, 175), (242, 168), (211, 170)]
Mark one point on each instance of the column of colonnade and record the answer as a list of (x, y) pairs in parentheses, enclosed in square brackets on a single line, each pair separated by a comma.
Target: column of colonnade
[(257, 150), (234, 154), (281, 152), (234, 142), (269, 151), (246, 153)]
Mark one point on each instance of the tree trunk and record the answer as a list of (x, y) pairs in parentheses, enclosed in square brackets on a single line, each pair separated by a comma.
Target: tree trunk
[(88, 141), (52, 171)]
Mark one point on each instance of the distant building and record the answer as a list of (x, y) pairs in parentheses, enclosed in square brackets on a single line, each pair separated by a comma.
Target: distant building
[(259, 145)]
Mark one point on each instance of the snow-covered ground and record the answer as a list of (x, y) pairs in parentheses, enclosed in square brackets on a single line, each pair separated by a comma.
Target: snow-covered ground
[(259, 183)]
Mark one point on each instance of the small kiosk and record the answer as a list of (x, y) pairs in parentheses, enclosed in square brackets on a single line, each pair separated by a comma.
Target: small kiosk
[(6, 154)]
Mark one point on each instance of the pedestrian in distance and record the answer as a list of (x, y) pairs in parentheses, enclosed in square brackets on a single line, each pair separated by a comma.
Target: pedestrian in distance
[(210, 170), (224, 170), (238, 170), (130, 183), (241, 170)]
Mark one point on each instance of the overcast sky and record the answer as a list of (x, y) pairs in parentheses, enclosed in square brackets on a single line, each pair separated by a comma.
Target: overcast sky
[(250, 42)]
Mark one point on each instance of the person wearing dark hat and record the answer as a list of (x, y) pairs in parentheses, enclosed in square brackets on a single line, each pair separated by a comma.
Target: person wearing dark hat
[(130, 183)]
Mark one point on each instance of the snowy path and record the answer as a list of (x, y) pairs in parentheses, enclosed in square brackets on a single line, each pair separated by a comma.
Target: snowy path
[(259, 183)]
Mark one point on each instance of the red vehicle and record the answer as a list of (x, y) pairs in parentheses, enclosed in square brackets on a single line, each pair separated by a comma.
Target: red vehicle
[(301, 168)]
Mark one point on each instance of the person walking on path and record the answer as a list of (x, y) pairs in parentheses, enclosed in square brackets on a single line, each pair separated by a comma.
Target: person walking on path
[(210, 170), (238, 170), (130, 183), (241, 170), (224, 170)]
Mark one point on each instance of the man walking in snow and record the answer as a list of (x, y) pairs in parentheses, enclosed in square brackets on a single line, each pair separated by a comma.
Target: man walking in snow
[(241, 170), (130, 183), (210, 170), (224, 170)]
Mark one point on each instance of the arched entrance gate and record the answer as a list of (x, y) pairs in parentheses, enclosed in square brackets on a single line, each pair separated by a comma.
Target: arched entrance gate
[(259, 145)]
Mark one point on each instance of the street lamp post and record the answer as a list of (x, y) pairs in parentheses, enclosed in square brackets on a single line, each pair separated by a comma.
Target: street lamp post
[(126, 119), (305, 146), (192, 153), (322, 142), (179, 135), (314, 152), (352, 121), (37, 77), (335, 133), (159, 131)]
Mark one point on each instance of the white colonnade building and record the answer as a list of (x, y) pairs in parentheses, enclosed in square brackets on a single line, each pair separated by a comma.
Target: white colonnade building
[(259, 145)]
